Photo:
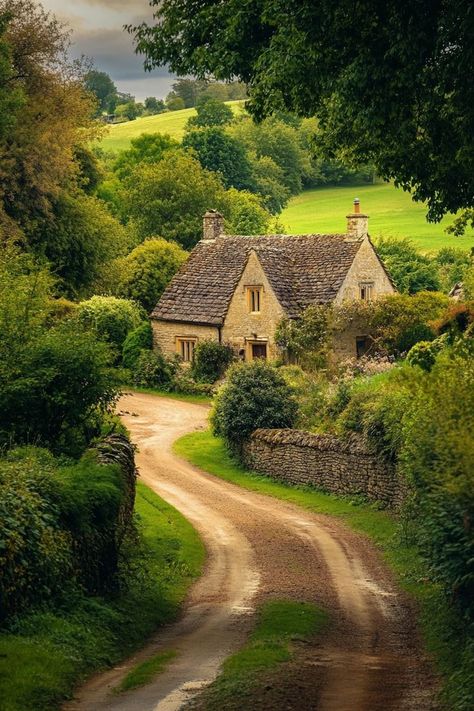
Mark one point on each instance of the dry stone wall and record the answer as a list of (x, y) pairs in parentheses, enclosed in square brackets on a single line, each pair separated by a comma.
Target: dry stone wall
[(335, 464)]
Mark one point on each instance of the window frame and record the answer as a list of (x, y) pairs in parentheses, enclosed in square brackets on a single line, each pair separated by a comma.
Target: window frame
[(366, 291), (185, 346), (254, 294)]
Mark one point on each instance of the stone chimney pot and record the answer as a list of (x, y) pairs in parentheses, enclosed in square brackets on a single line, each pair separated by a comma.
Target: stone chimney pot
[(357, 223), (212, 226)]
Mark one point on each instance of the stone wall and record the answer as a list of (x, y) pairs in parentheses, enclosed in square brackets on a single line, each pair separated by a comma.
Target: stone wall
[(334, 464), (166, 333)]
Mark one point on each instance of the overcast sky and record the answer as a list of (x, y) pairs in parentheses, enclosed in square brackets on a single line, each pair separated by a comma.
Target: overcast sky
[(98, 34)]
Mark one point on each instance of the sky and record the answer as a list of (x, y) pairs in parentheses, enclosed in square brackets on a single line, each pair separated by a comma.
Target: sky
[(98, 34)]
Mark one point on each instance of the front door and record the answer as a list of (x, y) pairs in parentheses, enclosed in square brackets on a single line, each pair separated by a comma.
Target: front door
[(259, 350)]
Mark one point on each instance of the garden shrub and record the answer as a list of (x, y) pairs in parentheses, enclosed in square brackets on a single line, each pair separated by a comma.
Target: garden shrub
[(184, 383), (54, 392), (424, 353), (139, 339), (110, 318), (438, 459), (306, 340), (255, 395), (210, 361), (153, 370), (61, 527)]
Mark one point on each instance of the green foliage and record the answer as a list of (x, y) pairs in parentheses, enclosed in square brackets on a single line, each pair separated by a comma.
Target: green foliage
[(210, 361), (410, 270), (145, 672), (438, 459), (453, 264), (147, 270), (255, 395), (306, 340), (170, 198), (221, 153), (153, 370), (148, 148), (243, 212), (211, 113), (139, 339), (80, 236), (45, 654), (175, 103), (54, 388), (110, 318), (59, 527), (424, 353), (101, 85), (416, 131)]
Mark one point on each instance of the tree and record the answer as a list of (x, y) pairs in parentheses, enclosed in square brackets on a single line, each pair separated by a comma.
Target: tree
[(175, 103), (169, 198), (77, 239), (101, 85), (211, 113), (390, 83), (269, 183), (279, 141), (410, 270), (188, 90), (111, 319), (255, 395), (222, 154), (38, 155), (147, 148), (244, 213), (148, 269), (154, 105)]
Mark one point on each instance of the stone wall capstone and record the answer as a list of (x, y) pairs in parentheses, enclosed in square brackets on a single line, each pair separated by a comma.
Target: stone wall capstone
[(339, 465)]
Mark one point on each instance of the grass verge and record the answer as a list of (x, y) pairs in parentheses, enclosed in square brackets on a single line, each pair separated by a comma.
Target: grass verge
[(44, 654), (146, 671), (183, 397), (280, 623), (446, 638)]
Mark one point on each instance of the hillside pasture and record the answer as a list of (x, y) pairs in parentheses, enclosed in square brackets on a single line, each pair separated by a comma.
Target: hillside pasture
[(391, 211), (172, 122)]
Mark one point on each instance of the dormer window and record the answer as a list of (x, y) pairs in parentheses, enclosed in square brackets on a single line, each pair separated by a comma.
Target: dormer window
[(254, 299), (366, 289)]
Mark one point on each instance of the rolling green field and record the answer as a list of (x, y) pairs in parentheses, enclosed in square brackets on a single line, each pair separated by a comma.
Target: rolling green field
[(391, 212), (172, 123)]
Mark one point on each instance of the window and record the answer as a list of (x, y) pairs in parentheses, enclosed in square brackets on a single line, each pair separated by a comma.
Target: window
[(259, 350), (254, 299), (366, 290), (185, 348)]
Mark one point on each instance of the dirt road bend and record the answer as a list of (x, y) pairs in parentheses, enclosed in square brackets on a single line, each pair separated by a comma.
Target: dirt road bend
[(260, 548)]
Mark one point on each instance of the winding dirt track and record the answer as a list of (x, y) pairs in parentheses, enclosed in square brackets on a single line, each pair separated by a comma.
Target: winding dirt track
[(259, 547)]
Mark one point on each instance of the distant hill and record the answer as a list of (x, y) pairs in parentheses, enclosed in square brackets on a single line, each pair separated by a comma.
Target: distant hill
[(391, 211), (172, 122)]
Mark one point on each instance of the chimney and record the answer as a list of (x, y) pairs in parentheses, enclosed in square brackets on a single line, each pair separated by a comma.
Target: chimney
[(357, 223), (212, 226)]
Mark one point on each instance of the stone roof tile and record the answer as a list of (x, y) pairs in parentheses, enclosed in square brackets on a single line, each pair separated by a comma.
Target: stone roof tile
[(302, 269)]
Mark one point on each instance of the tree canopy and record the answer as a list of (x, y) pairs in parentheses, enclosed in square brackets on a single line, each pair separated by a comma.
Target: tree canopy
[(390, 82)]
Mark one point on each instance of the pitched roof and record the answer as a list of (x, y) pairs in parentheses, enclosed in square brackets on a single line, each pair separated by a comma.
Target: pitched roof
[(302, 270)]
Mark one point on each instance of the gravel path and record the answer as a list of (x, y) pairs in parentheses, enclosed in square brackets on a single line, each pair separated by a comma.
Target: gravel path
[(259, 547)]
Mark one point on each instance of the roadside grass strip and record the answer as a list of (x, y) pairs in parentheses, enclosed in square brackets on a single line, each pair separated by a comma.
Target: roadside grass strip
[(446, 637), (146, 671), (280, 623), (194, 398), (46, 653)]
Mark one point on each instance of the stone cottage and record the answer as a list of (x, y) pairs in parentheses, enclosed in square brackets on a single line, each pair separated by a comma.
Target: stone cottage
[(235, 289)]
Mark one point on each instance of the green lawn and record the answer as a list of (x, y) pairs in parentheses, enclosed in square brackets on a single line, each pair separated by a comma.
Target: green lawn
[(391, 212), (172, 122), (46, 653), (445, 636)]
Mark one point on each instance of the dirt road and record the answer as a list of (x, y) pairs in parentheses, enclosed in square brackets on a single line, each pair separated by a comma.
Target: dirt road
[(259, 547)]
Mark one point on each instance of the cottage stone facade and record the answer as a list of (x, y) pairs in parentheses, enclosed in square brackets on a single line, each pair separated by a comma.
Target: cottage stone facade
[(236, 289)]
